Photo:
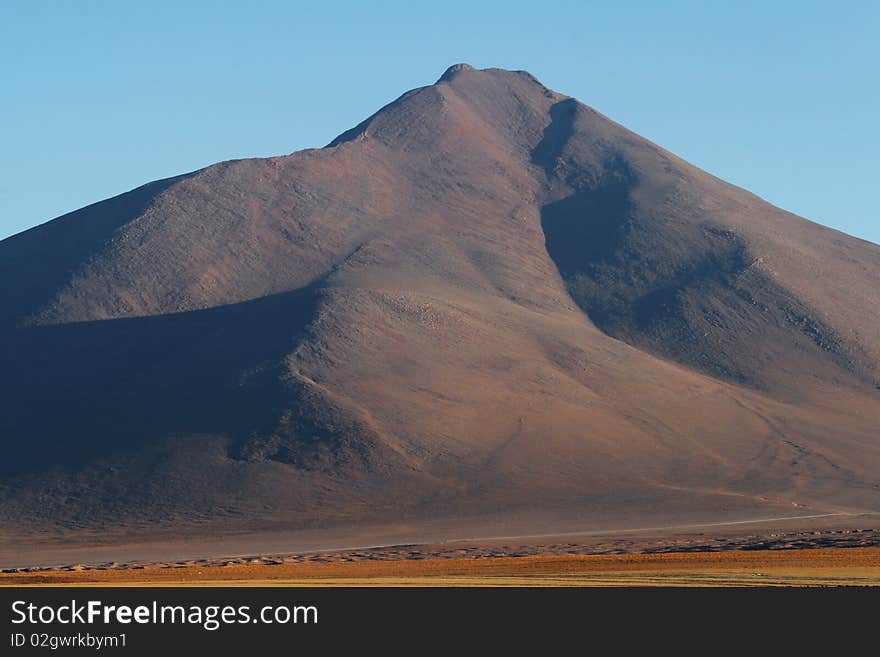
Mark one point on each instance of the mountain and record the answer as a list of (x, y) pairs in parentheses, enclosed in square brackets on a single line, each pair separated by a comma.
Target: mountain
[(487, 303)]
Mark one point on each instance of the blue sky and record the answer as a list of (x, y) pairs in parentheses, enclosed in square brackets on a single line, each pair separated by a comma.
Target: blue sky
[(96, 98)]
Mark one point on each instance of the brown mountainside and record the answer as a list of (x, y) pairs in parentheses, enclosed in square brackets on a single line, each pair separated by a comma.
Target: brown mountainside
[(486, 300)]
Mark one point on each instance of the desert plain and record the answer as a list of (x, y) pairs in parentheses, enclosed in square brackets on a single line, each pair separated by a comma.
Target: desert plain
[(819, 551)]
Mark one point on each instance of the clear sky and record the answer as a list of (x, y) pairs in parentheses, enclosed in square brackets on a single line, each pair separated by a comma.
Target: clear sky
[(96, 98)]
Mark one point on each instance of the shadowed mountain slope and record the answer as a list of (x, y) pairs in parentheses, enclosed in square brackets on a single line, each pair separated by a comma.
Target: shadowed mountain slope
[(485, 300)]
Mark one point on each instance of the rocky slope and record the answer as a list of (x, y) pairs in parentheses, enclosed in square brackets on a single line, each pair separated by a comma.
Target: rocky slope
[(486, 300)]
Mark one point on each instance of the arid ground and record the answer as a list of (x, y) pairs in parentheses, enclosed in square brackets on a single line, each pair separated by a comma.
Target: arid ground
[(812, 567), (834, 551)]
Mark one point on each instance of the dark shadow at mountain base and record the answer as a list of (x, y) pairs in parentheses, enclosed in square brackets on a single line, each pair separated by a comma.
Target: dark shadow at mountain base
[(76, 392)]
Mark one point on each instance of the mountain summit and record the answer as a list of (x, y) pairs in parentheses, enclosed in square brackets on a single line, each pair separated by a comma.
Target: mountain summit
[(486, 302)]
